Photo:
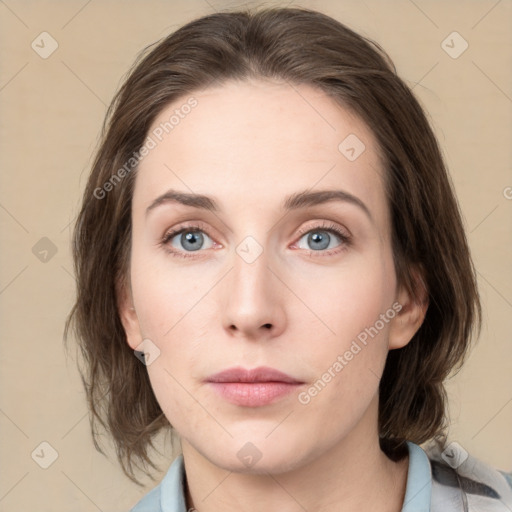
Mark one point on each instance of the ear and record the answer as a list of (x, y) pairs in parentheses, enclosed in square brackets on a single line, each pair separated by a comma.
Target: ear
[(411, 314), (128, 315)]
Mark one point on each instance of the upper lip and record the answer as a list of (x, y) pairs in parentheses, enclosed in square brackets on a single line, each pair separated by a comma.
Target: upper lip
[(260, 374)]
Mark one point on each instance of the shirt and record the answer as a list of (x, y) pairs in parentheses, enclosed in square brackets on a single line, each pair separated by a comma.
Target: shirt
[(169, 494)]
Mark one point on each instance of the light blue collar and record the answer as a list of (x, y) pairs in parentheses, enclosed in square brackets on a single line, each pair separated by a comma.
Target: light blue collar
[(419, 481)]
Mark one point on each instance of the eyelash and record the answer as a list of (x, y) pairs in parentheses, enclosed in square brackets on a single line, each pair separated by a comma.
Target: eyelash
[(194, 228)]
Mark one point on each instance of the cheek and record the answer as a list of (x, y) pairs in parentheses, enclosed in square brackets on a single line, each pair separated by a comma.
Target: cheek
[(173, 395), (348, 364), (350, 340), (345, 300), (170, 308), (164, 294)]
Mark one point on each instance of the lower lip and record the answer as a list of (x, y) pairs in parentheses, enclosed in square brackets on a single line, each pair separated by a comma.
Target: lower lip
[(253, 394)]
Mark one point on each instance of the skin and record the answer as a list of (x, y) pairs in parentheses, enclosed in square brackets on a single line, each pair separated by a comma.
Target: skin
[(248, 145)]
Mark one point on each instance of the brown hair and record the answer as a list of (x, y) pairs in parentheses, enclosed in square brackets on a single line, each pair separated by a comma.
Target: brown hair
[(299, 46)]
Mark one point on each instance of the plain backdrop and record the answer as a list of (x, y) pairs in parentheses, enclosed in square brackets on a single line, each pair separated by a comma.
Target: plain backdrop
[(51, 113)]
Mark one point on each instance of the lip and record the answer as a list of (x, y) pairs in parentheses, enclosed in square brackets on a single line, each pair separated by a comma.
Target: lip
[(260, 374), (253, 388)]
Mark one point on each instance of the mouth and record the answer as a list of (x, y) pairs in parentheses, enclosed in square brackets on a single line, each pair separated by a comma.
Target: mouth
[(253, 388)]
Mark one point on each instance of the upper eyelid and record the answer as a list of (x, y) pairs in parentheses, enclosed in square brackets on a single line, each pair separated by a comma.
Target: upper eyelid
[(327, 225)]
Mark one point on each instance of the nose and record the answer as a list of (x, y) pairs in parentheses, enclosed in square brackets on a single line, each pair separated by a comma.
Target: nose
[(253, 305)]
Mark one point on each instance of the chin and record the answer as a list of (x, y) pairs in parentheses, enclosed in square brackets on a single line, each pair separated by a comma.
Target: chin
[(259, 456)]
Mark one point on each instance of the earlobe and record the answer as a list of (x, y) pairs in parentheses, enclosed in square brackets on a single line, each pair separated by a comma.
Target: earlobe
[(128, 315), (411, 315)]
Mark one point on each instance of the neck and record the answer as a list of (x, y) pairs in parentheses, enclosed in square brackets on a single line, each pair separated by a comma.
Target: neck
[(352, 475)]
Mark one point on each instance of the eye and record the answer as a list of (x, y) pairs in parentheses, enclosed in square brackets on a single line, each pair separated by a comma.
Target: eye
[(323, 239), (186, 239)]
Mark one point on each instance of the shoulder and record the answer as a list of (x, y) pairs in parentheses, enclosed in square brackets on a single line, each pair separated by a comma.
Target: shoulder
[(460, 481)]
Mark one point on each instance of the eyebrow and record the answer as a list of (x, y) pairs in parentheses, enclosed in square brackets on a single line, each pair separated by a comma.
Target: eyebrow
[(295, 201)]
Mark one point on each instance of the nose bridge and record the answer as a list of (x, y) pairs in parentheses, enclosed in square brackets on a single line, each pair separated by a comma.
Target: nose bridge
[(250, 276), (252, 300)]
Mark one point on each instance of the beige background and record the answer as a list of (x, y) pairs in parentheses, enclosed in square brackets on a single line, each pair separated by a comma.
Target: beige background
[(52, 110)]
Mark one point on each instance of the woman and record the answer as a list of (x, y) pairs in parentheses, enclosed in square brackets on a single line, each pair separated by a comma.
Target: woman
[(269, 227)]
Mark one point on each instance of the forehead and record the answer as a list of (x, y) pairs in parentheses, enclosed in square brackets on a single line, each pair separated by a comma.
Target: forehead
[(259, 137)]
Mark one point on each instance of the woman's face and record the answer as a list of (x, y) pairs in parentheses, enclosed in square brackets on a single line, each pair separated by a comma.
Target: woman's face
[(277, 275)]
